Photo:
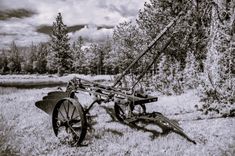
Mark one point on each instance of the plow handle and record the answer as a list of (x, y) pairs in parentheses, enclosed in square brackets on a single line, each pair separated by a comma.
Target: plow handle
[(151, 44)]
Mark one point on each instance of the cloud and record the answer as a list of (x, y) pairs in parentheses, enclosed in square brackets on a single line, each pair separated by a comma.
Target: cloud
[(78, 11), (92, 33), (15, 13), (46, 29), (22, 33), (74, 12)]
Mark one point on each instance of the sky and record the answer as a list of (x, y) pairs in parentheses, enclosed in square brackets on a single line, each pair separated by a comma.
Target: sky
[(25, 21)]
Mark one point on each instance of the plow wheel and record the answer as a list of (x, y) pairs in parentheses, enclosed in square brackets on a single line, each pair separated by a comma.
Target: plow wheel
[(69, 121), (124, 111)]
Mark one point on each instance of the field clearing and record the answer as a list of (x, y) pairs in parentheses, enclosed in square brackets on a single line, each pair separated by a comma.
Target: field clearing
[(26, 130), (42, 81)]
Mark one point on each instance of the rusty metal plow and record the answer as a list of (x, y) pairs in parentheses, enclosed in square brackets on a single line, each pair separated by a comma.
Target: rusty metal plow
[(69, 117)]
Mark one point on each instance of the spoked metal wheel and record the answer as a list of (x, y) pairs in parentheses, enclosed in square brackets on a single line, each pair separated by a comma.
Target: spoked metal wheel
[(69, 121), (123, 111)]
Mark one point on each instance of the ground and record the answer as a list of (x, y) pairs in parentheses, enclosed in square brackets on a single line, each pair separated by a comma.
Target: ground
[(26, 130)]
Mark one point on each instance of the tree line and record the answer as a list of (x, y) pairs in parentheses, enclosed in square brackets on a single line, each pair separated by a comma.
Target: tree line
[(200, 54)]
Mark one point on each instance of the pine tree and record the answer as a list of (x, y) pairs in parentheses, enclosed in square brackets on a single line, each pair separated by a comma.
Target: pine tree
[(189, 34), (88, 55), (218, 82), (95, 58), (191, 75), (168, 79), (14, 59), (127, 44), (4, 62), (78, 55), (60, 57), (30, 57), (106, 46), (39, 65)]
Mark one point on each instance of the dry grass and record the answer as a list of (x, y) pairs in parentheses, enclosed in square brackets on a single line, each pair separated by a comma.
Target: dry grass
[(6, 133), (32, 84), (26, 130)]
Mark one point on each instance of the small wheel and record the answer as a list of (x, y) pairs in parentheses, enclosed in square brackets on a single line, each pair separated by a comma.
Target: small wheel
[(69, 121), (122, 111)]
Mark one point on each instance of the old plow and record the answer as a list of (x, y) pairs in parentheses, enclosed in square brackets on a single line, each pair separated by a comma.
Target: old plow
[(70, 117)]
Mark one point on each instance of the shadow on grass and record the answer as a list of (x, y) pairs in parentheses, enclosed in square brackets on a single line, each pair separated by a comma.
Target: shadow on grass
[(154, 133), (173, 127)]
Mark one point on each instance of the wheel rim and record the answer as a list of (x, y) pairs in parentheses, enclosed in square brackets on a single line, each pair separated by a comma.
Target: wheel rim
[(69, 123)]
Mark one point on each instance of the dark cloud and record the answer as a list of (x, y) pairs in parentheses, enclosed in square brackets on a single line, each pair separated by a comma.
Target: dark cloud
[(102, 4), (107, 18), (104, 27), (46, 29), (34, 26), (123, 10), (8, 34), (96, 33), (16, 13)]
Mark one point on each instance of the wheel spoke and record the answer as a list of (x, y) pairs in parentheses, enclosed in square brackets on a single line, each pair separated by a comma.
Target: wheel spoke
[(65, 110), (71, 128), (69, 122), (58, 119), (74, 108), (122, 111), (68, 107), (74, 121), (77, 128), (76, 117), (61, 114)]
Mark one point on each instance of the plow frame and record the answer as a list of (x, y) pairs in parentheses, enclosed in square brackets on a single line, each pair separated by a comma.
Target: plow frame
[(70, 117)]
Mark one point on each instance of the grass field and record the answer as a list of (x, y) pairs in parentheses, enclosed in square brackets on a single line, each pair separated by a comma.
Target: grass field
[(42, 81), (26, 130)]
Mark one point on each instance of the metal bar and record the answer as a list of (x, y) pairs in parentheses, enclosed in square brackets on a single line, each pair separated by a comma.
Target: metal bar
[(159, 36), (96, 84), (147, 100), (91, 105), (74, 108), (150, 65), (110, 93)]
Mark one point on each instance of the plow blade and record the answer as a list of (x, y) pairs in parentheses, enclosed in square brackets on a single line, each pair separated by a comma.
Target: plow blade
[(48, 103), (162, 121)]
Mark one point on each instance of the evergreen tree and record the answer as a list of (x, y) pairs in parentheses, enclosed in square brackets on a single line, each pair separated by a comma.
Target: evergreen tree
[(95, 58), (30, 57), (88, 55), (14, 59), (60, 57), (127, 44), (106, 47), (191, 75), (218, 81), (189, 34), (168, 79), (78, 55), (3, 62), (39, 65)]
